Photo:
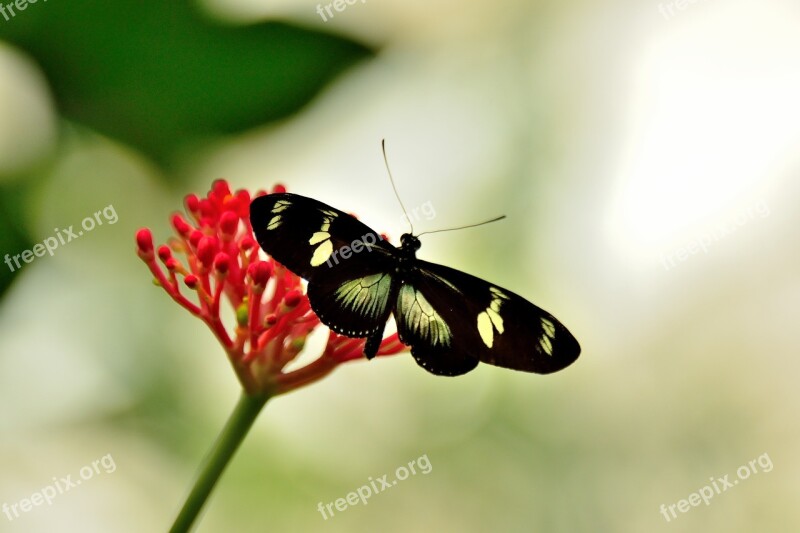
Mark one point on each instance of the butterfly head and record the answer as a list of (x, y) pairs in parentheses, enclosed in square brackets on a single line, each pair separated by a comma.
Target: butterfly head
[(409, 243)]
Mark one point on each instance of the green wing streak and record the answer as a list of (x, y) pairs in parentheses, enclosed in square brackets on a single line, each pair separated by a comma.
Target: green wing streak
[(366, 296), (420, 318)]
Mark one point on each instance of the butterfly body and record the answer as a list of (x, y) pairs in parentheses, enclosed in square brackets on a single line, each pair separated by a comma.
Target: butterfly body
[(356, 280)]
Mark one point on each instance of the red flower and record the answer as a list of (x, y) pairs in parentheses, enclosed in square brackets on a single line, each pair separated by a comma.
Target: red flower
[(223, 262)]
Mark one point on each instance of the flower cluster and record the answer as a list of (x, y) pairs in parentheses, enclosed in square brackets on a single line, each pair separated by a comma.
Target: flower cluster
[(273, 317)]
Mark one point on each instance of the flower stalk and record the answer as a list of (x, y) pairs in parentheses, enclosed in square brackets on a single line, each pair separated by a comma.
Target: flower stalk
[(232, 435)]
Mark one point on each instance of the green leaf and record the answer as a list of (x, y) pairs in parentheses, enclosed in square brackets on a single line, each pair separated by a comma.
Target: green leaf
[(161, 75)]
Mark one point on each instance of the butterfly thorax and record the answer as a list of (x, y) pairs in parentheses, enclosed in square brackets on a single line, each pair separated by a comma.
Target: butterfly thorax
[(409, 246), (408, 254)]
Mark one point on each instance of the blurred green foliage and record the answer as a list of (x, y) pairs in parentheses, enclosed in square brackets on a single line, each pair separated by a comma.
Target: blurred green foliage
[(161, 77)]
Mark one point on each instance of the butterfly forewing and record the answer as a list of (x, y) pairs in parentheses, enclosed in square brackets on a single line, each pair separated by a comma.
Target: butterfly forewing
[(309, 237), (488, 323)]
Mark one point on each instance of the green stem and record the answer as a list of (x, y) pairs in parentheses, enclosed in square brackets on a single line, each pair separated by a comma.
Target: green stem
[(232, 435)]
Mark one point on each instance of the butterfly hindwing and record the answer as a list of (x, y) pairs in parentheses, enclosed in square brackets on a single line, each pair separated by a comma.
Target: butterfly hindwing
[(428, 332), (354, 301), (484, 323)]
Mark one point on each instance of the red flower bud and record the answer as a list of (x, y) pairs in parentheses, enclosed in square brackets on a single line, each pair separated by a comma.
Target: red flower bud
[(144, 241), (207, 210), (206, 250), (260, 273), (222, 263), (164, 252), (191, 281), (172, 264), (247, 243), (293, 297), (220, 189), (278, 189), (195, 237), (180, 225), (243, 203), (229, 223), (192, 203)]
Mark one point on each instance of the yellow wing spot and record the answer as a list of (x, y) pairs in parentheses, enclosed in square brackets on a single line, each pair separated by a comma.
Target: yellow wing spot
[(490, 320), (324, 251), (281, 205), (546, 344), (496, 319), (549, 328), (318, 237), (274, 222), (546, 341), (485, 329)]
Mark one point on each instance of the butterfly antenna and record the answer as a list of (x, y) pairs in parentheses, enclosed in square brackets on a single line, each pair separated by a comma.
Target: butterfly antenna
[(464, 227), (391, 179)]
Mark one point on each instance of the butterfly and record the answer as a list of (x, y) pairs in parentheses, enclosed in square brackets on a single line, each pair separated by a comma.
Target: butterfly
[(356, 279)]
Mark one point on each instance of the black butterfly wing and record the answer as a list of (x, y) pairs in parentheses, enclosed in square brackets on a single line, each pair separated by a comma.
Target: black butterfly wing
[(452, 320), (309, 237), (348, 266)]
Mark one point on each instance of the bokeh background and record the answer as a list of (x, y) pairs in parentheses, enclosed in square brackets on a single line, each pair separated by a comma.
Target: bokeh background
[(616, 136)]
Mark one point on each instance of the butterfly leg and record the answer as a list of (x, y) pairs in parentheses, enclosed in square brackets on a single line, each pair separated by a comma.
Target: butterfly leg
[(373, 343)]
